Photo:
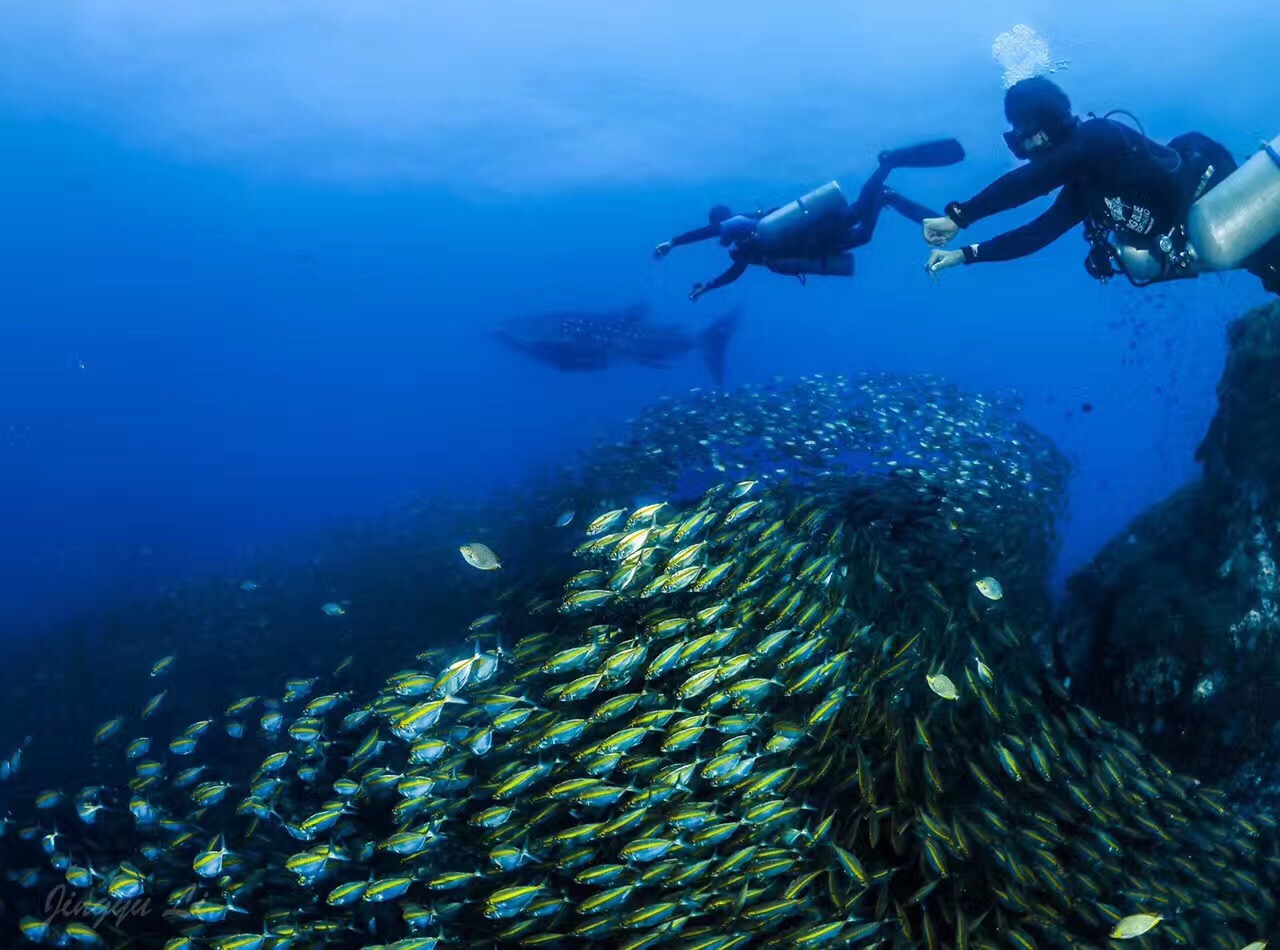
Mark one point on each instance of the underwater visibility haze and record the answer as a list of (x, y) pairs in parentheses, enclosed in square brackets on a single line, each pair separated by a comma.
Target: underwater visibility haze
[(469, 479)]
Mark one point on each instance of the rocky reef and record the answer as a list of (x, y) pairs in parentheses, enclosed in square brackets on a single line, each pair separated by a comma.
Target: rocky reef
[(1173, 629)]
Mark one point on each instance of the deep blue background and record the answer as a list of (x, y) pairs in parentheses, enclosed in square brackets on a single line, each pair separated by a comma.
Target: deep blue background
[(213, 341)]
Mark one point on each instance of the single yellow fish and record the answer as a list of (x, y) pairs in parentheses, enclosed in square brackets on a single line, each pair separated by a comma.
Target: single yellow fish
[(480, 556), (989, 588), (942, 685), (1135, 926)]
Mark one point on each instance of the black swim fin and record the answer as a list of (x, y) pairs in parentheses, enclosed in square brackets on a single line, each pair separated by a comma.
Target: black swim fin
[(911, 210), (933, 154)]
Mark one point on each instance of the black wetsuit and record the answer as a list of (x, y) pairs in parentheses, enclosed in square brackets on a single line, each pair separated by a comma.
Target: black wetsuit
[(709, 231), (852, 230), (740, 259), (1113, 178)]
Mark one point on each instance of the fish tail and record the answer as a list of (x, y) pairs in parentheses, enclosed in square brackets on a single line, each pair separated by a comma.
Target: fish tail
[(714, 342)]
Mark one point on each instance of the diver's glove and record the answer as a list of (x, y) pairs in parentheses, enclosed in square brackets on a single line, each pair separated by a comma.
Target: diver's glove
[(698, 291), (662, 250), (941, 260), (938, 231)]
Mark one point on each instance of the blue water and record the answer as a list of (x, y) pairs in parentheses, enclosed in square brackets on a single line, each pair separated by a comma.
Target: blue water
[(248, 255)]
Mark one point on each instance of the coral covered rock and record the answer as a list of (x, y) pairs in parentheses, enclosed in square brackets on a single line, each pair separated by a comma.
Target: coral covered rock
[(1173, 628)]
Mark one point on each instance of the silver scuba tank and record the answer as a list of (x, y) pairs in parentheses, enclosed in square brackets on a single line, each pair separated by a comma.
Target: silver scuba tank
[(1240, 215), (829, 265), (1140, 264), (778, 228), (1175, 260)]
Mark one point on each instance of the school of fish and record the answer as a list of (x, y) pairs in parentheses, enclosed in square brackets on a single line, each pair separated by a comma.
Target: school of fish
[(783, 712)]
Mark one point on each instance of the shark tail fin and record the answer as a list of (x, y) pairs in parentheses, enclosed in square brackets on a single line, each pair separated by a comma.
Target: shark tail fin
[(714, 342)]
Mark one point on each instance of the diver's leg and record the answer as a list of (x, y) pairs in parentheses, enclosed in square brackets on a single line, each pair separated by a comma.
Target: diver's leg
[(864, 213), (857, 235), (911, 210), (860, 219)]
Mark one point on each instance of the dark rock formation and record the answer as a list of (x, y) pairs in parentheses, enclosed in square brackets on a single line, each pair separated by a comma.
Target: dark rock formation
[(1174, 628)]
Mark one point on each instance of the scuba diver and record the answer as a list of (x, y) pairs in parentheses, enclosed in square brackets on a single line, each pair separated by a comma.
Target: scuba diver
[(816, 233), (1151, 212)]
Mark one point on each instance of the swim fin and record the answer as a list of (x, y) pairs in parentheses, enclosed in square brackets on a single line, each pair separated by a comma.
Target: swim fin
[(911, 210), (925, 155)]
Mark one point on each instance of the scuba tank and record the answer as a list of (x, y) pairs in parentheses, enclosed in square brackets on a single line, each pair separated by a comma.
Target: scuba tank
[(783, 226), (829, 265), (1240, 215), (737, 228), (1144, 266), (1172, 258)]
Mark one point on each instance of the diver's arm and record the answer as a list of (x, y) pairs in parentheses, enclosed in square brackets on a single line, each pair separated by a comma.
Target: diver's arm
[(704, 233), (1066, 211), (1090, 143), (689, 237), (728, 277)]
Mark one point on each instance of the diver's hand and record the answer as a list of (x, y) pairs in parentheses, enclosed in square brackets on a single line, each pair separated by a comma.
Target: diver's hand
[(941, 260), (662, 250), (698, 291), (938, 231)]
